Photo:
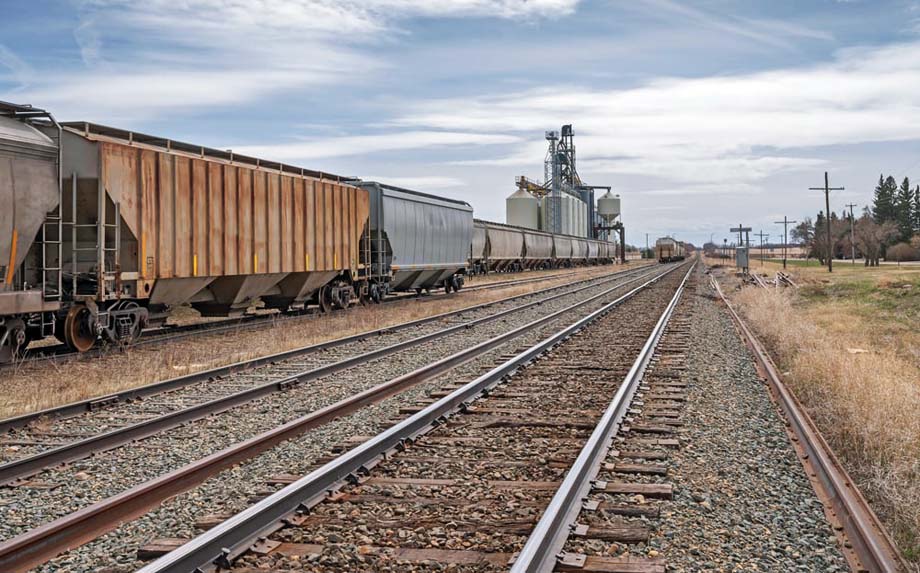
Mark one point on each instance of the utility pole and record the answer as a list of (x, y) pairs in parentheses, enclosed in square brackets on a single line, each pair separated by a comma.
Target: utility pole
[(827, 202), (852, 234), (762, 235), (786, 222), (646, 247)]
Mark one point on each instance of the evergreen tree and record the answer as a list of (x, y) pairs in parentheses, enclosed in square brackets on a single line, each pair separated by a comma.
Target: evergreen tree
[(916, 210), (903, 206), (883, 200)]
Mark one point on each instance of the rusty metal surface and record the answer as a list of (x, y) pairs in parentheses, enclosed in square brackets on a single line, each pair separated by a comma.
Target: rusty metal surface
[(868, 547), (219, 219)]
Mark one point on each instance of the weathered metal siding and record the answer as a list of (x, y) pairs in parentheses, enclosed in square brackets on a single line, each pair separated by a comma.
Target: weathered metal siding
[(424, 231), (538, 245), (197, 217), (505, 243), (563, 246), (593, 249), (28, 190), (479, 244)]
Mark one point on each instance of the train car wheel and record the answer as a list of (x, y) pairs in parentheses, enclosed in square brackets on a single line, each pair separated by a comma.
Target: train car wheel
[(447, 285), (77, 329), (325, 305)]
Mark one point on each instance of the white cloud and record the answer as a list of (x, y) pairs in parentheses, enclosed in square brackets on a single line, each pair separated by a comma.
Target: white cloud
[(742, 128), (775, 33), (19, 69), (421, 182), (142, 58), (368, 144)]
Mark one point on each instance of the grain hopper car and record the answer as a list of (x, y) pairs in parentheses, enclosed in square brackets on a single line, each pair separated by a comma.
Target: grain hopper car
[(417, 241), (498, 247), (119, 227), (669, 250)]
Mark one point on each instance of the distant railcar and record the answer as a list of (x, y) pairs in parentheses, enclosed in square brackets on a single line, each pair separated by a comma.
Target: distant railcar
[(501, 247), (668, 250)]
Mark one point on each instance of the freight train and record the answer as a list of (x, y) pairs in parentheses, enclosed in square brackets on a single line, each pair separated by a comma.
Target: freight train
[(103, 231), (500, 247), (668, 250)]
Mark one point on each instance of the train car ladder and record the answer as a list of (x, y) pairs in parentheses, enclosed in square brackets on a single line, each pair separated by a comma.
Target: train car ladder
[(102, 249), (52, 269)]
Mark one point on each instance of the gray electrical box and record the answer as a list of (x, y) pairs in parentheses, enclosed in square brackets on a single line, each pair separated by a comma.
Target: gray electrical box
[(741, 258)]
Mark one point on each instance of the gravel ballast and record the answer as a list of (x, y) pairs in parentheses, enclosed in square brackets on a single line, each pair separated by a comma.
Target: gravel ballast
[(742, 499)]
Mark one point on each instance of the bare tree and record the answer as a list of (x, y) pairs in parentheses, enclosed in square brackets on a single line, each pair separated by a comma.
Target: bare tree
[(901, 252), (871, 237)]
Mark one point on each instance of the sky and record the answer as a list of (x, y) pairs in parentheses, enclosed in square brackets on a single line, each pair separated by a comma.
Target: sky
[(701, 114)]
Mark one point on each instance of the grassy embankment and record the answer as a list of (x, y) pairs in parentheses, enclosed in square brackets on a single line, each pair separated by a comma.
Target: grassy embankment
[(849, 345)]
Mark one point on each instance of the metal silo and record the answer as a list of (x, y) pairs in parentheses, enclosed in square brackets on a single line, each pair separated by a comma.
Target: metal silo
[(522, 210)]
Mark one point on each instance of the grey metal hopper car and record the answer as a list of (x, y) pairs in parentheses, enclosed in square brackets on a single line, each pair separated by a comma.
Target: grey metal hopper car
[(30, 275), (479, 250), (417, 241), (538, 250), (505, 246), (579, 250), (562, 247)]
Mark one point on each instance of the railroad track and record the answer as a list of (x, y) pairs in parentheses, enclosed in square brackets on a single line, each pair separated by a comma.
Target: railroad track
[(220, 373), (865, 542), (160, 335), (286, 401), (464, 478)]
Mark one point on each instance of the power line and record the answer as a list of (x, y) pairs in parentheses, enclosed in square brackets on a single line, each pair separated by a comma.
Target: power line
[(786, 222), (827, 201), (852, 234), (761, 234)]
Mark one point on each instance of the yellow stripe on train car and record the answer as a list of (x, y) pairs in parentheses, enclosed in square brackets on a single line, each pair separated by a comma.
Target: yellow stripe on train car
[(10, 270)]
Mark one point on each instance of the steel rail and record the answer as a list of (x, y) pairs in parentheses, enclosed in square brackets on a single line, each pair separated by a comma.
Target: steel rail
[(159, 335), (48, 540), (543, 549), (870, 546), (218, 546), (83, 406), (22, 468)]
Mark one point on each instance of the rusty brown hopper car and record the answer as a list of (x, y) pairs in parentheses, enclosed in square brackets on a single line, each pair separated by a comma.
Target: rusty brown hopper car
[(148, 223)]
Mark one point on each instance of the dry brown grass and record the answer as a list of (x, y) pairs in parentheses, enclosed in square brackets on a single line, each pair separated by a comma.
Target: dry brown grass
[(35, 387), (862, 393)]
